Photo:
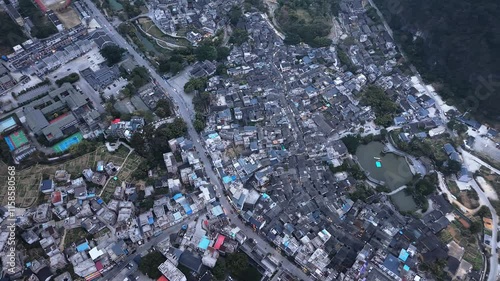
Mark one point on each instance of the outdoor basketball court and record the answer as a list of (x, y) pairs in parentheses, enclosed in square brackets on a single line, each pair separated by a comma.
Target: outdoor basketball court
[(68, 142), (16, 140)]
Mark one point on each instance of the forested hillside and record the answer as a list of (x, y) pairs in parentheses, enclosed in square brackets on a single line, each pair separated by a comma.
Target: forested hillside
[(458, 48), (307, 21)]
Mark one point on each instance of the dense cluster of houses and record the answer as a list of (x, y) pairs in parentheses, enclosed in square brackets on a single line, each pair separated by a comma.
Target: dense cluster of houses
[(277, 119), (201, 18)]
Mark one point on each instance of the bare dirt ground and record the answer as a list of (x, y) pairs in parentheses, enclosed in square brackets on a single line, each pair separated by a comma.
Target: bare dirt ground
[(335, 31), (68, 17)]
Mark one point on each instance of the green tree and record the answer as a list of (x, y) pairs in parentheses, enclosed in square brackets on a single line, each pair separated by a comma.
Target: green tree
[(175, 67), (319, 42), (139, 76), (221, 70), (484, 212), (112, 53), (160, 112), (385, 109), (220, 271), (206, 52), (452, 167), (10, 33), (475, 227), (43, 27), (223, 53), (239, 36), (149, 264), (257, 4), (201, 102), (306, 21), (164, 66), (198, 125), (352, 143), (162, 108), (235, 15), (5, 152), (132, 10), (71, 78), (126, 92), (345, 60), (237, 263), (292, 39), (138, 142), (362, 193), (198, 84)]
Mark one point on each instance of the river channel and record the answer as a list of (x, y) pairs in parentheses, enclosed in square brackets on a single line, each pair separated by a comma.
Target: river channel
[(389, 168)]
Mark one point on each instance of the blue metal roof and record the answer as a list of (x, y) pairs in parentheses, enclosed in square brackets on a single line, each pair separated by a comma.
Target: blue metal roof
[(204, 243), (403, 255), (82, 247), (392, 263)]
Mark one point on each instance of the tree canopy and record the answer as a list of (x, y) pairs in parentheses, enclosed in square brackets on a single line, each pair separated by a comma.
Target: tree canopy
[(201, 102), (71, 78), (385, 109), (352, 143), (162, 108), (219, 270), (151, 143), (198, 84), (235, 15), (112, 53), (206, 52), (43, 27), (149, 264), (237, 263), (174, 64), (239, 36)]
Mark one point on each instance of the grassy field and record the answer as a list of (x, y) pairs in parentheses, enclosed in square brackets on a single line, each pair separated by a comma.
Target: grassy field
[(28, 180)]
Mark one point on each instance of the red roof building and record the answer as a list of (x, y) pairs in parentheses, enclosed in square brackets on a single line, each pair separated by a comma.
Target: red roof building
[(162, 278), (99, 266), (220, 241), (57, 198)]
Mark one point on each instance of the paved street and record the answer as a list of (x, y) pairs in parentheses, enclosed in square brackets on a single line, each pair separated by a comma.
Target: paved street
[(144, 247), (493, 267), (186, 112)]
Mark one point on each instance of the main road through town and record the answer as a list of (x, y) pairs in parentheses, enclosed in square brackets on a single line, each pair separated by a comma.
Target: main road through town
[(185, 111)]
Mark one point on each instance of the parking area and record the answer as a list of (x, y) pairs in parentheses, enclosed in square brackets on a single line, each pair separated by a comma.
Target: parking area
[(115, 88), (92, 59)]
